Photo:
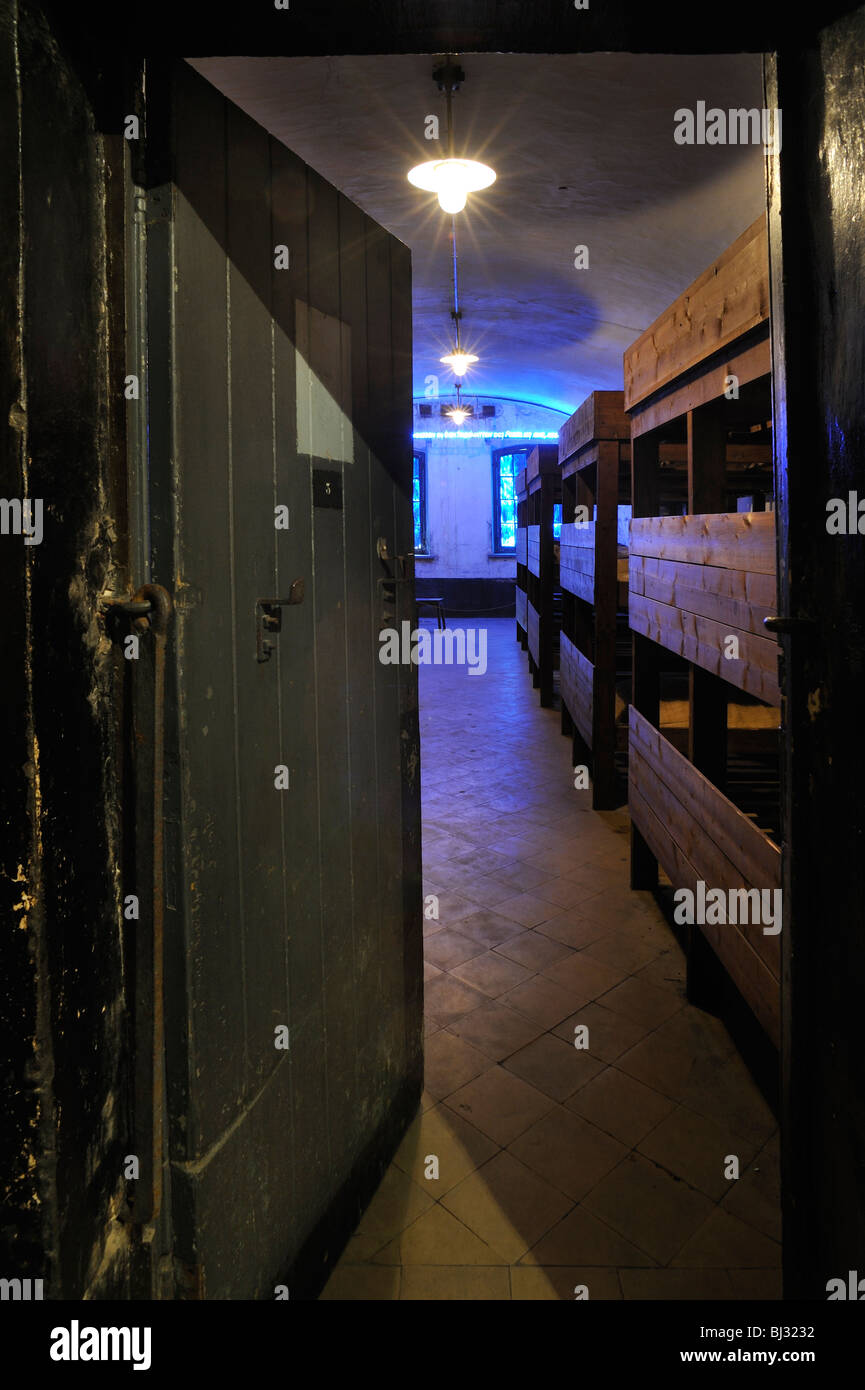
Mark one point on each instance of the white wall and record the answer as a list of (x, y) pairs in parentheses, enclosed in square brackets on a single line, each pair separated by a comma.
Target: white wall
[(459, 484)]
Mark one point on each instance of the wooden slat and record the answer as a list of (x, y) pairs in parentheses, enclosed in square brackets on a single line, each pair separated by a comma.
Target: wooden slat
[(544, 458), (729, 299), (736, 453), (731, 540), (533, 551), (520, 484), (577, 560), (714, 868), (746, 364), (729, 596), (751, 976), (522, 608), (601, 416), (755, 856), (533, 628), (521, 547), (577, 683), (701, 640)]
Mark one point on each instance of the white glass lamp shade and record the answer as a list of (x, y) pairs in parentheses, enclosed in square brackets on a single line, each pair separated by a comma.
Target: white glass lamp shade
[(452, 180), (459, 362)]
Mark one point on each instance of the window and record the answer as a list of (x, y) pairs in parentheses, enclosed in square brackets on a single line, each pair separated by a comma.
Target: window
[(507, 463), (421, 546)]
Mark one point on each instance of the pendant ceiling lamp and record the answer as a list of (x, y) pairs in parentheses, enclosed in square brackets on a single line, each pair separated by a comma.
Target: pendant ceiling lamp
[(452, 179), (459, 414)]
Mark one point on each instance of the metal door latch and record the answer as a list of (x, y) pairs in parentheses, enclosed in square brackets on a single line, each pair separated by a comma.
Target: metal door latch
[(778, 624), (402, 572), (268, 618)]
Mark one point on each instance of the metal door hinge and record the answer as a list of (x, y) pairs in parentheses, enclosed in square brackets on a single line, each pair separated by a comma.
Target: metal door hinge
[(268, 618)]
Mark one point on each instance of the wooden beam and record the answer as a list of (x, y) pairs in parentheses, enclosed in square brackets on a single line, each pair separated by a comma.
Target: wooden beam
[(730, 540), (747, 364), (729, 299)]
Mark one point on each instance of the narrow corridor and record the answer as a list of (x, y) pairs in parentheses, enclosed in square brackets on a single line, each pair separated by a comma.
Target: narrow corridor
[(558, 1167)]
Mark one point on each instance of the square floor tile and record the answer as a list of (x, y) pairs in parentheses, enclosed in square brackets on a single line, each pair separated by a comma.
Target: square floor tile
[(553, 1066), (533, 950), (449, 999), (491, 973), (541, 1000), (507, 1205), (444, 1135), (621, 1106), (724, 1242), (581, 1240), (568, 1152), (437, 1238), (609, 1034), (449, 1063), (454, 1283), (642, 1002), (585, 977), (697, 1149), (527, 909), (450, 948), (565, 1282), (489, 928), (499, 1104), (496, 1030), (648, 1207)]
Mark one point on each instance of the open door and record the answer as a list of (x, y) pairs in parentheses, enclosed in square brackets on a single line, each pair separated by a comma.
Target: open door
[(277, 491)]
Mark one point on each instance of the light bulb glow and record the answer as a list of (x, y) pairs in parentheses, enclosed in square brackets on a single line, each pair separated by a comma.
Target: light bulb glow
[(452, 180), (459, 415), (459, 362)]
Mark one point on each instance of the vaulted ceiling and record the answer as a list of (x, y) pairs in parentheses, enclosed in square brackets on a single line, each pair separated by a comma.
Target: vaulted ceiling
[(584, 152)]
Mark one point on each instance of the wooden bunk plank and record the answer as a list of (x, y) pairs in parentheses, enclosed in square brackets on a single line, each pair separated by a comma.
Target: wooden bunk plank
[(577, 685), (746, 364), (522, 603), (601, 416), (522, 545), (533, 629), (729, 596), (702, 641), (755, 855), (711, 864), (752, 977), (729, 299), (729, 540), (533, 550)]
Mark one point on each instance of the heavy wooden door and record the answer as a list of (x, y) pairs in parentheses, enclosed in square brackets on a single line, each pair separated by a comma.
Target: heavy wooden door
[(278, 338)]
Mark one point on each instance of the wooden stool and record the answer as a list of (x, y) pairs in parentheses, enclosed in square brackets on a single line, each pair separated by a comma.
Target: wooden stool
[(437, 604)]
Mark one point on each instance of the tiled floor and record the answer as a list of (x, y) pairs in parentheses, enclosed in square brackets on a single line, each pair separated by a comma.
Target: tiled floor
[(557, 1167)]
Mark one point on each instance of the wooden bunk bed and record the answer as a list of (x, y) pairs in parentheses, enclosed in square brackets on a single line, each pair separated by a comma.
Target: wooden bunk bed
[(594, 458), (543, 615), (703, 804)]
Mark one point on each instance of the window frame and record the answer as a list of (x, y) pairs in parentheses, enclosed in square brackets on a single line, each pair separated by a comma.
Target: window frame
[(420, 455), (499, 453)]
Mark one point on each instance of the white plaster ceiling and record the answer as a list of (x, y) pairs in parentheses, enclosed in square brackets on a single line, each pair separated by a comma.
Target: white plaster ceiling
[(584, 152)]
